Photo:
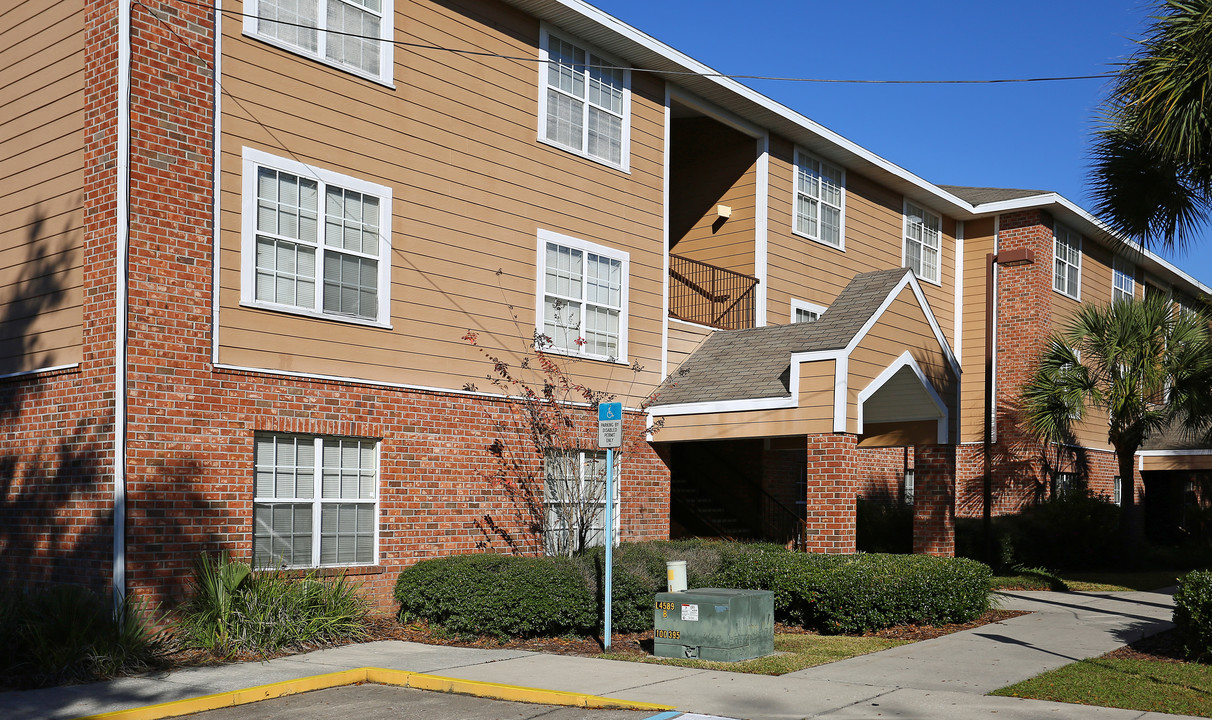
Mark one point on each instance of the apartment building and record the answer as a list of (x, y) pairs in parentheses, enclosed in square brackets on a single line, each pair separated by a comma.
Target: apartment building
[(245, 246)]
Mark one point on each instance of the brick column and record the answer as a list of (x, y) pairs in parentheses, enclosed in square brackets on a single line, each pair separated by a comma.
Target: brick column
[(832, 459), (934, 500)]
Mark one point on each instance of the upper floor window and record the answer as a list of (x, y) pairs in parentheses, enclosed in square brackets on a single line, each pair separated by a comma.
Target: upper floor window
[(584, 101), (314, 242), (354, 35), (315, 501), (1123, 280), (802, 312), (819, 200), (1067, 271), (583, 297), (923, 241)]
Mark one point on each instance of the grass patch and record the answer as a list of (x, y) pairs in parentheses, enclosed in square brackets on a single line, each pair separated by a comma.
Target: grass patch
[(1121, 581), (1041, 579), (1146, 685), (793, 652)]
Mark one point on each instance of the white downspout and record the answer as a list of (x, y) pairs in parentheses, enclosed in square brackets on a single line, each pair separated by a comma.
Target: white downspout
[(122, 238)]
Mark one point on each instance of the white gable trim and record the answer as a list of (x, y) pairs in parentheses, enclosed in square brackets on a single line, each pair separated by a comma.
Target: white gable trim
[(912, 282), (906, 360)]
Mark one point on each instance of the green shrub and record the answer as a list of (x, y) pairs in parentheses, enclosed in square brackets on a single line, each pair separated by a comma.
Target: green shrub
[(233, 610), (1193, 614), (66, 634), (499, 595), (870, 592)]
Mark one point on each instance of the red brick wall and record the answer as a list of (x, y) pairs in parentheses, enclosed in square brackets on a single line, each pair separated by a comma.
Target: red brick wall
[(881, 473), (934, 500), (831, 493)]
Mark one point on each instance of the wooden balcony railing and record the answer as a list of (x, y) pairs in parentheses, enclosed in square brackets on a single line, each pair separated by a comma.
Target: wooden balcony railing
[(710, 295)]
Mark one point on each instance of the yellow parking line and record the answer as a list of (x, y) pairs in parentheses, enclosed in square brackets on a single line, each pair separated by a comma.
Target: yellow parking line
[(382, 676)]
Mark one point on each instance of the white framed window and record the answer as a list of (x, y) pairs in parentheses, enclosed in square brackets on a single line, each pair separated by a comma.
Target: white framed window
[(315, 501), (907, 491), (582, 297), (353, 35), (1067, 268), (923, 242), (315, 242), (584, 100), (805, 311), (1065, 484), (820, 200), (575, 500), (1117, 490), (1123, 280)]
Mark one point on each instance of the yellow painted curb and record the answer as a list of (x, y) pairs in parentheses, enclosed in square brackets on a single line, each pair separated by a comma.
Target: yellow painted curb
[(381, 676)]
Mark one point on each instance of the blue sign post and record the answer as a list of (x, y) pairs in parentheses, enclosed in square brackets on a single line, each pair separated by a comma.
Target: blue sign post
[(610, 434)]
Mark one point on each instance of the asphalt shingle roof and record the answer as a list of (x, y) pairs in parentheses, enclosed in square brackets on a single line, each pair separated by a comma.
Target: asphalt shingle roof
[(981, 195), (756, 362)]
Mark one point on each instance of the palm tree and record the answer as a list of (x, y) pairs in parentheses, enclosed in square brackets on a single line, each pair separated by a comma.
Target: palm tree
[(1151, 173), (1143, 363)]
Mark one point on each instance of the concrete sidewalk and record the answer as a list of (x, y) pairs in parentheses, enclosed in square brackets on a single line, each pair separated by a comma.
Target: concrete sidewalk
[(942, 678)]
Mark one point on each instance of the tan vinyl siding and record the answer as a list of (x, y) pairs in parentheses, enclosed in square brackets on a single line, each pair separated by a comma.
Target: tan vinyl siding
[(978, 243), (807, 270), (813, 415), (41, 161), (456, 141), (713, 165), (684, 338)]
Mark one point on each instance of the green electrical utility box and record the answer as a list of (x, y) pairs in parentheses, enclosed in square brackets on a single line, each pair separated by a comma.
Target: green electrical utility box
[(714, 624)]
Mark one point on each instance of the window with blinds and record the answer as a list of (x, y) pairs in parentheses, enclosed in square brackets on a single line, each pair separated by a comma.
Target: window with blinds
[(354, 35), (584, 101), (316, 242), (315, 501)]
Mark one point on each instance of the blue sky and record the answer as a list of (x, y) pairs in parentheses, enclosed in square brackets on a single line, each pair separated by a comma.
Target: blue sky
[(1024, 135)]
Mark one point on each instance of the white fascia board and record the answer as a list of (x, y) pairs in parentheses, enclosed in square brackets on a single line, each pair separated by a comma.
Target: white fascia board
[(906, 360), (1173, 453), (768, 403)]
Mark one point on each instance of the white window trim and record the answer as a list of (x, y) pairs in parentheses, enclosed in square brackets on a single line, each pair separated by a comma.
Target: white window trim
[(905, 241), (1075, 293), (386, 46), (317, 501), (617, 500), (1122, 268), (254, 159), (803, 305), (546, 236), (795, 194), (546, 31)]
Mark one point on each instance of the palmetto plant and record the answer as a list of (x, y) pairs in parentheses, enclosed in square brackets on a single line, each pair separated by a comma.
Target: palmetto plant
[(1152, 160), (1143, 363)]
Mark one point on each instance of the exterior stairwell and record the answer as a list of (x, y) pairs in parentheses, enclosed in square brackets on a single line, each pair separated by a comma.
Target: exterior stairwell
[(711, 495)]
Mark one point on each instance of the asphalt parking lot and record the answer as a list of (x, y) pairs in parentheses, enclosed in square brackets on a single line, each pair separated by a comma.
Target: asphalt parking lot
[(385, 702)]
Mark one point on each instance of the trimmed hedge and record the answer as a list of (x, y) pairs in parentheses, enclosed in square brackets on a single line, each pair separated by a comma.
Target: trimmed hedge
[(519, 596), (1193, 614), (499, 595)]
